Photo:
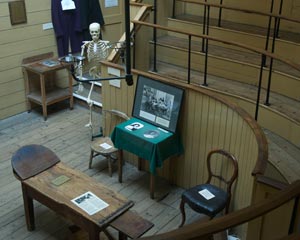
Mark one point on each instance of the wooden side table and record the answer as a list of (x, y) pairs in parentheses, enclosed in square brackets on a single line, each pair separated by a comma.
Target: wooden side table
[(40, 84), (153, 149)]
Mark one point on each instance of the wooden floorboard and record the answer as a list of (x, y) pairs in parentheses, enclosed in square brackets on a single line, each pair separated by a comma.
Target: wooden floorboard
[(65, 133)]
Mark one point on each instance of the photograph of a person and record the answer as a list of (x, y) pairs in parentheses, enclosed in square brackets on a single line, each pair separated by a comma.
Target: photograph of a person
[(157, 103)]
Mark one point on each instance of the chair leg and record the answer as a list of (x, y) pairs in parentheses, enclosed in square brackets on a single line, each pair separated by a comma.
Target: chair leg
[(120, 165), (109, 160), (91, 159), (182, 213)]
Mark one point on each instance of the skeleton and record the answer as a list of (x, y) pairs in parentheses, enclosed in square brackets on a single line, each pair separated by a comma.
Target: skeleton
[(95, 50)]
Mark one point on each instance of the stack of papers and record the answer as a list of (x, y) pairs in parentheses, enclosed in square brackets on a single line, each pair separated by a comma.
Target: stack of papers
[(90, 203)]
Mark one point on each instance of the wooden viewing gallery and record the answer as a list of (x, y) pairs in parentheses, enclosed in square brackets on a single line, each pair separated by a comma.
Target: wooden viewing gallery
[(221, 125)]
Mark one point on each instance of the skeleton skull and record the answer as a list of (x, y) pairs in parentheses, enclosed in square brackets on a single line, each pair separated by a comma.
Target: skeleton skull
[(95, 31)]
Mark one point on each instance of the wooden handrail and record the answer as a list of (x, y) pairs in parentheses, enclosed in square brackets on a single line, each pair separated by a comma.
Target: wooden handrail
[(202, 230), (231, 43), (242, 10), (271, 182)]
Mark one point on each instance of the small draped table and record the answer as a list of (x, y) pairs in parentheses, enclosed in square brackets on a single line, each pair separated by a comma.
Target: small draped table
[(149, 142)]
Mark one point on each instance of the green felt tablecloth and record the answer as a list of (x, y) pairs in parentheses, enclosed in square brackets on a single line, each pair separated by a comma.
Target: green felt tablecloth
[(155, 150)]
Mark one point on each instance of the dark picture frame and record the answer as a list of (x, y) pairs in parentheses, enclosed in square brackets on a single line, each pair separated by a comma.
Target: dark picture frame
[(17, 12), (157, 103)]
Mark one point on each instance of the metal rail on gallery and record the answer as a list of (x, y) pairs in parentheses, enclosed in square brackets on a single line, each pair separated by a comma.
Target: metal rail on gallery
[(207, 38)]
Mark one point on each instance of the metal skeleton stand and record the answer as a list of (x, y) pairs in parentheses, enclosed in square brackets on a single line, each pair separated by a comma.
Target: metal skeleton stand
[(89, 125)]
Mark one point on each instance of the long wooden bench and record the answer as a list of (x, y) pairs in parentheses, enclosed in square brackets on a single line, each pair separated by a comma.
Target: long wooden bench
[(45, 179)]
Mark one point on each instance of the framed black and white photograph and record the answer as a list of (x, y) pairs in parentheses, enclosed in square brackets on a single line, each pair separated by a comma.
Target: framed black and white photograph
[(157, 103)]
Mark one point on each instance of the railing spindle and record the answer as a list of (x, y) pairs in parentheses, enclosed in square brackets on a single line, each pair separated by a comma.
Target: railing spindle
[(280, 11), (154, 37), (206, 48), (220, 14), (271, 62), (189, 59)]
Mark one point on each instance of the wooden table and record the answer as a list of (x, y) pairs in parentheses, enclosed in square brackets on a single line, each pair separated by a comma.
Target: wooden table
[(57, 185), (40, 82)]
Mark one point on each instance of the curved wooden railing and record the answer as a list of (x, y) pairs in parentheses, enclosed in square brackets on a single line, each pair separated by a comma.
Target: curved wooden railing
[(206, 121), (237, 44), (208, 38), (204, 230), (278, 17), (242, 10)]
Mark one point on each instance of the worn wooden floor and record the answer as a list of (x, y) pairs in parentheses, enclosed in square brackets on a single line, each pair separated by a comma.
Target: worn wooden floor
[(65, 133)]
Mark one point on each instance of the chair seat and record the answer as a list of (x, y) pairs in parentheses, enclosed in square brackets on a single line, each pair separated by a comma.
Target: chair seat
[(99, 146), (200, 204)]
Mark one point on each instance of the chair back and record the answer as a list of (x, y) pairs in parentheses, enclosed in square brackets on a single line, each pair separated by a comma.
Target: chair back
[(111, 118), (222, 170)]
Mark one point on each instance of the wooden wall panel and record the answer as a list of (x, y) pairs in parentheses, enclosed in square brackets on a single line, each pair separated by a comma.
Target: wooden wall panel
[(11, 111), (21, 34), (15, 48), (273, 225), (11, 87)]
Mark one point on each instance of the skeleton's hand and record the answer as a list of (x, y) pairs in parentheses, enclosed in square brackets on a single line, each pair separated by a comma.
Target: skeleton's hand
[(94, 72)]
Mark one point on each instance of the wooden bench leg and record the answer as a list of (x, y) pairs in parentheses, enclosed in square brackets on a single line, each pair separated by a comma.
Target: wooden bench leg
[(122, 236), (94, 234), (109, 162), (152, 185), (91, 159), (29, 210), (140, 164), (120, 164)]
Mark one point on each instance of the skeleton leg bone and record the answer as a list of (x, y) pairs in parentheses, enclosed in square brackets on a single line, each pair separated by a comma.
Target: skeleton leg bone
[(90, 103)]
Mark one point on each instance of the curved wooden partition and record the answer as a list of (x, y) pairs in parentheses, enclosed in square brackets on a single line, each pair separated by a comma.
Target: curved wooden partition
[(203, 231), (206, 122)]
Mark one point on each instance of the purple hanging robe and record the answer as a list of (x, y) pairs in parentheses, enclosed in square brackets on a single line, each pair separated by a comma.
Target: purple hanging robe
[(67, 27)]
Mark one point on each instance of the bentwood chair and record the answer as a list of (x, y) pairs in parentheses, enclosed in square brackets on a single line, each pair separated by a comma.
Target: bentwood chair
[(212, 197), (103, 145)]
